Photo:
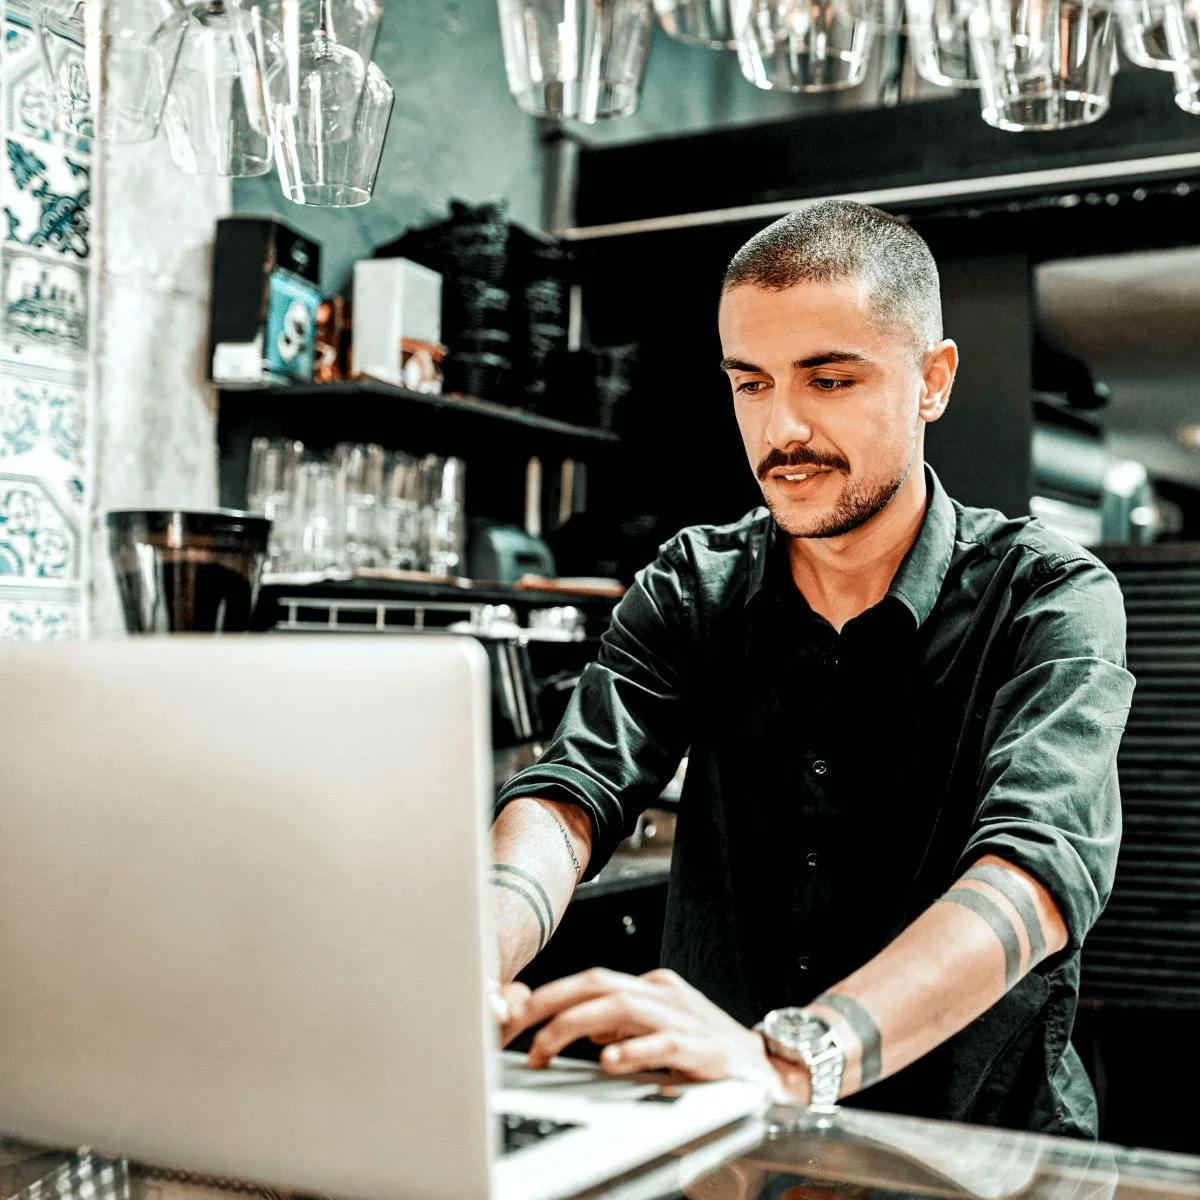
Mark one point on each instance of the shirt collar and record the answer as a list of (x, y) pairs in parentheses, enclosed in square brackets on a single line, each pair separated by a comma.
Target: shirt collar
[(919, 579)]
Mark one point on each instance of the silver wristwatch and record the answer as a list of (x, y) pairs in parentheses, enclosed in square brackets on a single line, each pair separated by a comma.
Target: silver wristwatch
[(796, 1035)]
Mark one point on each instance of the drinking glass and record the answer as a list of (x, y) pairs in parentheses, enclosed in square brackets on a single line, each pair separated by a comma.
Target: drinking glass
[(801, 45), (60, 40), (400, 515), (883, 16), (333, 174), (327, 46), (1042, 64), (582, 60), (937, 30), (699, 22), (316, 523), (216, 116), (1183, 39), (270, 483), (443, 517), (360, 487), (136, 81), (1142, 27)]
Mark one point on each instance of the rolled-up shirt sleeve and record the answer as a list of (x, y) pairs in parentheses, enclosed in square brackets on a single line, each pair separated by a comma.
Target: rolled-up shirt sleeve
[(623, 734), (1049, 800)]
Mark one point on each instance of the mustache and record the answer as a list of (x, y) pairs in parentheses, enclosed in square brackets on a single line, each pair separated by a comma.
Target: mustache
[(798, 458)]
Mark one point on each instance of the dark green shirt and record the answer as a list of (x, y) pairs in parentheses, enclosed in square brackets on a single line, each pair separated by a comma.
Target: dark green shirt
[(838, 784)]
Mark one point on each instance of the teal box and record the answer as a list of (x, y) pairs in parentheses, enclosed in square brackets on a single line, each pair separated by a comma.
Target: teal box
[(291, 328)]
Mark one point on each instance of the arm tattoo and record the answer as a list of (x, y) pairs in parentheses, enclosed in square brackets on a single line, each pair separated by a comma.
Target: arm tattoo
[(1001, 925), (566, 837), (1017, 894), (527, 896), (865, 1029), (532, 881)]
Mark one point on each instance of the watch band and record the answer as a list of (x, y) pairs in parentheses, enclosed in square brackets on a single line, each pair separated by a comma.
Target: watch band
[(796, 1035)]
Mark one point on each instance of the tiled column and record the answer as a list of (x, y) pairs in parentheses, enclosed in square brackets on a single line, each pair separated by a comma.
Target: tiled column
[(104, 409), (46, 252)]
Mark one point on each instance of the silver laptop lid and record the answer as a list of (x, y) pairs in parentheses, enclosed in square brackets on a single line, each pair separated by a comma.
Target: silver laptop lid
[(240, 908)]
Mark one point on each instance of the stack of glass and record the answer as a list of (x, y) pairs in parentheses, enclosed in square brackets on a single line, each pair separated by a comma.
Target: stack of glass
[(359, 508)]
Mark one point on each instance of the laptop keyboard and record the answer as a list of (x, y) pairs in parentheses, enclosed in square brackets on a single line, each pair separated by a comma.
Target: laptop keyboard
[(518, 1132)]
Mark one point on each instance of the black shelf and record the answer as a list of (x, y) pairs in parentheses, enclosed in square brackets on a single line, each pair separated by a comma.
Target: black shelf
[(483, 415)]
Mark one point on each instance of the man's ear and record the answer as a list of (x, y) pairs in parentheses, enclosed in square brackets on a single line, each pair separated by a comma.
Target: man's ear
[(940, 367)]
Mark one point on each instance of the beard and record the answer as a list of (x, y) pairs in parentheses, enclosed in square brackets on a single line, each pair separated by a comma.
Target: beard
[(857, 504)]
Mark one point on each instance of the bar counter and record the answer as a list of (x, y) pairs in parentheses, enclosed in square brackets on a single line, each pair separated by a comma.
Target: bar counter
[(790, 1154)]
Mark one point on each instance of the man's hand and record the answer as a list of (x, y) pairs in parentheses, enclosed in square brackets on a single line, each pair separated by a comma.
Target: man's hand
[(507, 1002), (653, 1021)]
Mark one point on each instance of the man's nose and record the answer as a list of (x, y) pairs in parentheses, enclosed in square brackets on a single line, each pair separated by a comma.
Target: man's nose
[(786, 423)]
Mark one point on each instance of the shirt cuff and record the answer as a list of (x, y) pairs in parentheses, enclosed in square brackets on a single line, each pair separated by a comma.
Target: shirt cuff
[(567, 785), (1046, 854)]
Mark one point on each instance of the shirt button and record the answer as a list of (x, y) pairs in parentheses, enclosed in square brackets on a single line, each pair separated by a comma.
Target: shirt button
[(820, 767), (804, 962), (811, 858)]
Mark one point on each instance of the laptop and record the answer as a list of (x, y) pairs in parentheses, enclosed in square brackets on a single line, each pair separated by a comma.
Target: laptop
[(242, 923)]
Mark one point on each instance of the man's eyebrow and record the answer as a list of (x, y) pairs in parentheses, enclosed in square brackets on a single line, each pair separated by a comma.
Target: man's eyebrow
[(823, 358), (826, 358), (739, 364)]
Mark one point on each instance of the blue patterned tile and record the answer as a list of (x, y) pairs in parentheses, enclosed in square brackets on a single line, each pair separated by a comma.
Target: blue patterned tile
[(29, 107), (47, 199), (41, 422), (43, 310), (41, 614), (40, 524)]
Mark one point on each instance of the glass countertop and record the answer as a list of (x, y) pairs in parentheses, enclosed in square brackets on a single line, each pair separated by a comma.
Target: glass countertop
[(790, 1154)]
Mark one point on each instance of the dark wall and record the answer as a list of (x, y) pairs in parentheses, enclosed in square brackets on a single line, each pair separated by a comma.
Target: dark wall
[(982, 446)]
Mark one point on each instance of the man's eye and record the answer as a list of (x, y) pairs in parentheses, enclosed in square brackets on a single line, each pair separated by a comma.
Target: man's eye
[(832, 385), (750, 387)]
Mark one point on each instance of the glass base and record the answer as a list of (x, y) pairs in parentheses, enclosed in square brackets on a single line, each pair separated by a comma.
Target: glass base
[(1043, 114), (1188, 98), (239, 166), (575, 101), (694, 37), (327, 195), (829, 75)]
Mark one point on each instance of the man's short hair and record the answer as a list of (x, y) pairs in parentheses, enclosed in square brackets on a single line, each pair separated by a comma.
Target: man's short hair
[(836, 240)]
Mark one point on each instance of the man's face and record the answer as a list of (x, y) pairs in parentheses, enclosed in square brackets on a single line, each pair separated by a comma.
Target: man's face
[(830, 404)]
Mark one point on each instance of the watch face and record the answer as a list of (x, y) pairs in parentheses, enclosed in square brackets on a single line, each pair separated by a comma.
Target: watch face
[(790, 1026)]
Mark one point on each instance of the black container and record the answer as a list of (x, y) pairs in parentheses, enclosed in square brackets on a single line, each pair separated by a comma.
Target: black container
[(181, 571)]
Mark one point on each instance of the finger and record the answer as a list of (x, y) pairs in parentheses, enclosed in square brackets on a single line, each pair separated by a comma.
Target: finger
[(661, 1051), (514, 997), (499, 1007), (552, 998), (618, 1015)]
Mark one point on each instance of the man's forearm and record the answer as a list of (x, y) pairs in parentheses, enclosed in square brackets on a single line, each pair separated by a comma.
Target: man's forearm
[(540, 849), (947, 968)]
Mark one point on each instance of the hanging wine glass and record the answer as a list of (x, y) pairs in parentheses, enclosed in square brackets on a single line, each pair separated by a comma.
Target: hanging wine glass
[(699, 22), (941, 46), (1144, 28), (327, 46), (217, 116), (136, 83), (582, 60), (802, 45), (339, 173), (60, 41), (1043, 65)]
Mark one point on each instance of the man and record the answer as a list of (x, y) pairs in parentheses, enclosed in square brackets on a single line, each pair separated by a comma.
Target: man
[(901, 813)]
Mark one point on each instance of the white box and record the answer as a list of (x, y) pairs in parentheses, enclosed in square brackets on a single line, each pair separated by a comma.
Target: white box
[(394, 298)]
